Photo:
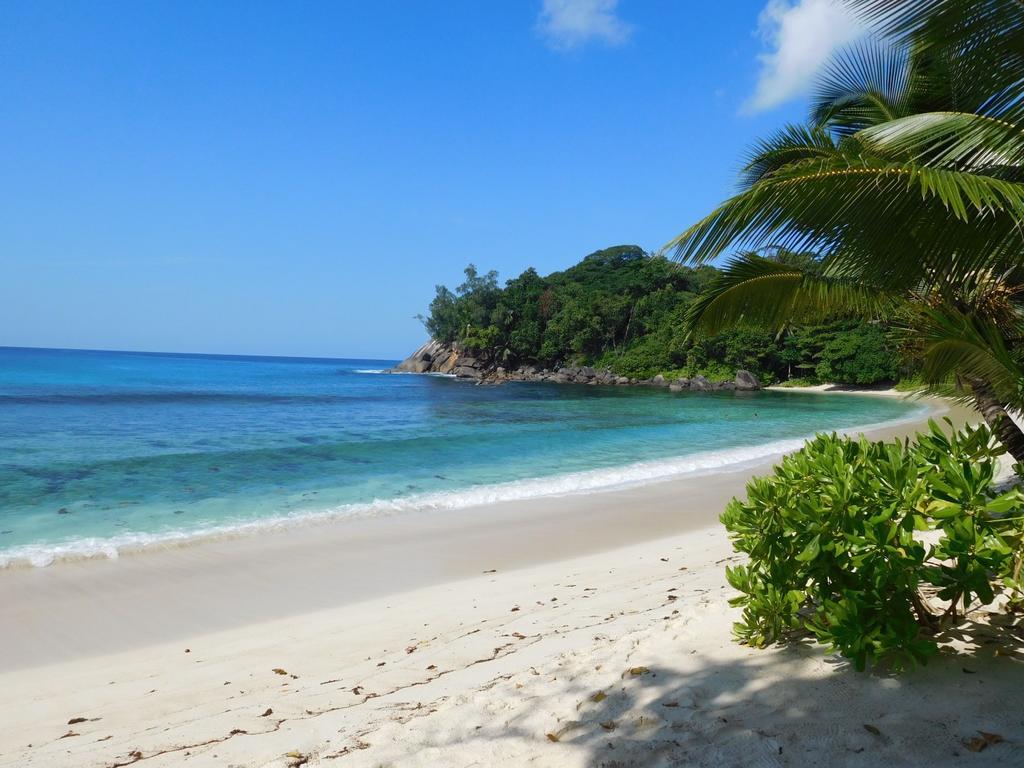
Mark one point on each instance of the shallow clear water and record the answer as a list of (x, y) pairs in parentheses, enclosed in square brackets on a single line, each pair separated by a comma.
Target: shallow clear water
[(104, 449)]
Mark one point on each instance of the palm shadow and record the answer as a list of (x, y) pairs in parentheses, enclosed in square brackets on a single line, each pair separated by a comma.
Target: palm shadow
[(797, 707)]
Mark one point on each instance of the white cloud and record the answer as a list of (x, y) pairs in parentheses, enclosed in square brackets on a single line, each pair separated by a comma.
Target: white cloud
[(567, 24), (800, 38)]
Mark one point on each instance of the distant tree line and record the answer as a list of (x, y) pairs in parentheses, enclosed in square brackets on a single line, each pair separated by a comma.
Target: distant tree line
[(623, 309)]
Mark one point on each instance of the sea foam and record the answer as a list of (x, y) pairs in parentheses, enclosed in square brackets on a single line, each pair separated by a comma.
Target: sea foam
[(587, 481)]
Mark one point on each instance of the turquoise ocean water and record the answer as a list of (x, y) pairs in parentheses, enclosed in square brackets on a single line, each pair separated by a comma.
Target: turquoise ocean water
[(105, 450)]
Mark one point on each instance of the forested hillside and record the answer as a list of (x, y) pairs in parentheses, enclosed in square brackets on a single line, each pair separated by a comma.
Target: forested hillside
[(622, 309)]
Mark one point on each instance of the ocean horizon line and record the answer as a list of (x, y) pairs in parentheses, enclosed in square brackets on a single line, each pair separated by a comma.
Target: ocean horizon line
[(210, 355), (118, 447)]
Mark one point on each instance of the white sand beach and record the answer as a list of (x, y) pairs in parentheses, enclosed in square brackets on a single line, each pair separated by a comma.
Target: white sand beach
[(455, 384), (588, 630)]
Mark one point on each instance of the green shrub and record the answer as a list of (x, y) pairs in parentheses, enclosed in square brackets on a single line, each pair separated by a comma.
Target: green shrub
[(623, 309), (712, 371), (742, 348), (875, 548), (860, 355), (913, 383), (641, 360), (800, 382)]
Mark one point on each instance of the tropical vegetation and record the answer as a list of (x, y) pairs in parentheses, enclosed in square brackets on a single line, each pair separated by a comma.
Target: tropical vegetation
[(625, 310), (907, 183), (877, 549)]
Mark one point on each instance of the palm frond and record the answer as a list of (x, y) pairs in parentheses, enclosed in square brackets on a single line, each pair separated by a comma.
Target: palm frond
[(982, 39), (960, 140), (863, 85), (752, 290), (967, 345), (899, 223), (788, 145)]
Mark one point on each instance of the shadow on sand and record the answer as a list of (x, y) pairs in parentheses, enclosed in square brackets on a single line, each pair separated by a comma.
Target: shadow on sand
[(769, 709)]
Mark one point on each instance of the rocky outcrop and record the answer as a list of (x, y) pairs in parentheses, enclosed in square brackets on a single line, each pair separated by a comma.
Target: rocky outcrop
[(746, 381), (436, 357), (432, 357), (700, 384)]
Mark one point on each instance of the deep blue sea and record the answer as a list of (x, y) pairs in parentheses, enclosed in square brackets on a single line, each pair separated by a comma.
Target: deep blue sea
[(103, 450)]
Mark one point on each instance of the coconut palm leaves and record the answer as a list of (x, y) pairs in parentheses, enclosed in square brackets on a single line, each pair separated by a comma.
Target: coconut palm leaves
[(905, 199), (983, 41), (865, 85), (974, 353), (905, 195), (961, 140), (768, 293), (957, 342), (900, 221), (791, 144), (975, 50), (910, 178)]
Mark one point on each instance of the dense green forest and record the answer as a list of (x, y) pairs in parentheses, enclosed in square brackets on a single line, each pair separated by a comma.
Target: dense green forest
[(623, 309)]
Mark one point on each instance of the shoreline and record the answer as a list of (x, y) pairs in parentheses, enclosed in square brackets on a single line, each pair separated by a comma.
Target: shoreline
[(526, 490), (844, 389), (618, 657), (572, 631), (230, 581)]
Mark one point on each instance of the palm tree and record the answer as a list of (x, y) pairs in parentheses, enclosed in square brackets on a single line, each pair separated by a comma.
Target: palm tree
[(910, 178), (967, 338)]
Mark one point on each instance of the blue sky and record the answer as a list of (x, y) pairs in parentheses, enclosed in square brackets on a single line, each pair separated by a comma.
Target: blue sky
[(294, 178)]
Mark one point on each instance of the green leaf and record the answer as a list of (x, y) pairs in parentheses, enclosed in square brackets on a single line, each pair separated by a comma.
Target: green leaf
[(944, 509), (811, 551)]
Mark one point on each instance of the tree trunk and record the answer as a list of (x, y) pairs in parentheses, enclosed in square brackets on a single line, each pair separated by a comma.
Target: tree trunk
[(997, 418)]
